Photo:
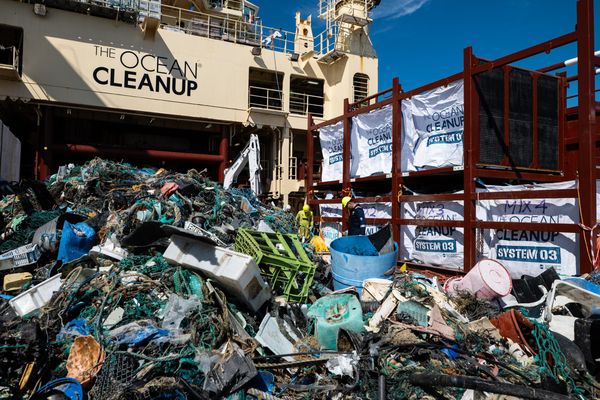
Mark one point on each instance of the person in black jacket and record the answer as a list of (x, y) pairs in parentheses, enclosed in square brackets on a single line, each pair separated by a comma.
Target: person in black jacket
[(356, 220)]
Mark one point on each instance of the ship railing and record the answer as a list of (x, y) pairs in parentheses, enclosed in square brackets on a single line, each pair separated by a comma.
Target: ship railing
[(123, 5), (328, 8), (227, 29), (327, 41), (222, 27), (235, 5), (303, 103), (265, 98)]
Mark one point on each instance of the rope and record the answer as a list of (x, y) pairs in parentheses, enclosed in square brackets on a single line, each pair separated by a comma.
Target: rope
[(588, 252)]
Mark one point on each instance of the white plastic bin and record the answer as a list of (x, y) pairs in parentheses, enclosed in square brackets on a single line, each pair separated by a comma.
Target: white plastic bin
[(236, 272), (36, 297)]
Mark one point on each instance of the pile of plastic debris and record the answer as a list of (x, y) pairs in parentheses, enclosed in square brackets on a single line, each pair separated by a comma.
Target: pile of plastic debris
[(127, 283)]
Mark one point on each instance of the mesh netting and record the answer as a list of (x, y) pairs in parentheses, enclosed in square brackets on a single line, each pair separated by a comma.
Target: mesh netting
[(551, 359), (117, 374)]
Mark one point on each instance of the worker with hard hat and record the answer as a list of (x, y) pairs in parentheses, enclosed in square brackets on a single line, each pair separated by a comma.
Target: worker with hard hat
[(306, 221), (356, 220)]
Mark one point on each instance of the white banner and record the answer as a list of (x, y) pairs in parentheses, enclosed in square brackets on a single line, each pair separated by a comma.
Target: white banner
[(371, 140), (433, 126), (532, 252), (371, 229), (441, 246), (330, 231), (332, 147), (522, 252)]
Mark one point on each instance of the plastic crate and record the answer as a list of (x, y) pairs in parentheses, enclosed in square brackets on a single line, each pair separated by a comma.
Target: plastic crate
[(282, 261)]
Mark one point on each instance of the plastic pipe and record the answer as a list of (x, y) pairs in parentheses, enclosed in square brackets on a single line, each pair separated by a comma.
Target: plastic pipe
[(127, 152)]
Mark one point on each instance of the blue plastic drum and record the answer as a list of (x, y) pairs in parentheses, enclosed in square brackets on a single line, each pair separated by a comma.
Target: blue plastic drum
[(355, 259)]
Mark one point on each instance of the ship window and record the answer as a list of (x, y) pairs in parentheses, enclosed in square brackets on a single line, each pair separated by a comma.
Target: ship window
[(11, 47), (306, 96), (265, 89), (361, 87)]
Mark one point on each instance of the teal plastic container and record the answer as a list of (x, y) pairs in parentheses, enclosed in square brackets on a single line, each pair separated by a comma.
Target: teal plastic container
[(355, 259), (335, 312)]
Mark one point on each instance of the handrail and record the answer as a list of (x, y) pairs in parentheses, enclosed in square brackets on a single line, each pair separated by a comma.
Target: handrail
[(303, 103), (266, 98), (227, 26), (235, 30), (325, 41), (117, 4)]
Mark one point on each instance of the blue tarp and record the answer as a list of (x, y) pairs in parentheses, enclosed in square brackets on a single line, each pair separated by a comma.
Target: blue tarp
[(76, 241)]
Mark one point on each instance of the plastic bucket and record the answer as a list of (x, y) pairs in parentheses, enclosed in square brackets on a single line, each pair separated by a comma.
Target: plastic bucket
[(351, 269), (488, 279)]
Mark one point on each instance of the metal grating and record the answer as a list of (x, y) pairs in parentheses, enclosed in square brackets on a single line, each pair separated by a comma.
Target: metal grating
[(516, 149), (548, 104), (520, 118), (490, 86)]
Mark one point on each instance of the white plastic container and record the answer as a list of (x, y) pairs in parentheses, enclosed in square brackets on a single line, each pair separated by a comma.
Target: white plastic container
[(488, 279), (36, 297), (236, 272), (269, 335)]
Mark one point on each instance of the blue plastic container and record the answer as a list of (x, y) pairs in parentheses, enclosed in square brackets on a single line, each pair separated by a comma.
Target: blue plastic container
[(355, 259)]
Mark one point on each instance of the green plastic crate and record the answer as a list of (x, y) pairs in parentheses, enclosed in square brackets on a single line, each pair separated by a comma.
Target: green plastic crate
[(282, 261)]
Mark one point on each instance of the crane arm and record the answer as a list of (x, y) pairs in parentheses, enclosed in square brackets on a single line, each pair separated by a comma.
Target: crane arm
[(249, 156)]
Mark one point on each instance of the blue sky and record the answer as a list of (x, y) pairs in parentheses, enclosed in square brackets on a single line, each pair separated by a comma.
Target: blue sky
[(421, 41)]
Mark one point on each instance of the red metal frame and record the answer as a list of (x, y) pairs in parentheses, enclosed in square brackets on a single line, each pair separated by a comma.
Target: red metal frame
[(586, 140)]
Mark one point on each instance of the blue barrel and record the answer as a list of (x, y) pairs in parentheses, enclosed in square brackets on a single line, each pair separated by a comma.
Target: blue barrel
[(354, 259)]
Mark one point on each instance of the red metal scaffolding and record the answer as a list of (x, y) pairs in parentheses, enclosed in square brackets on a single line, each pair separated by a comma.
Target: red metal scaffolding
[(577, 148)]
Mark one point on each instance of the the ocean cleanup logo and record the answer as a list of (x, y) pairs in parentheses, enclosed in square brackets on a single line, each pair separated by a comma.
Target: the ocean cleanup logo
[(380, 140), (449, 118), (148, 72), (549, 255), (441, 127), (336, 151)]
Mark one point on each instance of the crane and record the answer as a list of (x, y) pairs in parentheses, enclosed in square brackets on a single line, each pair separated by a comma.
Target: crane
[(251, 156)]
